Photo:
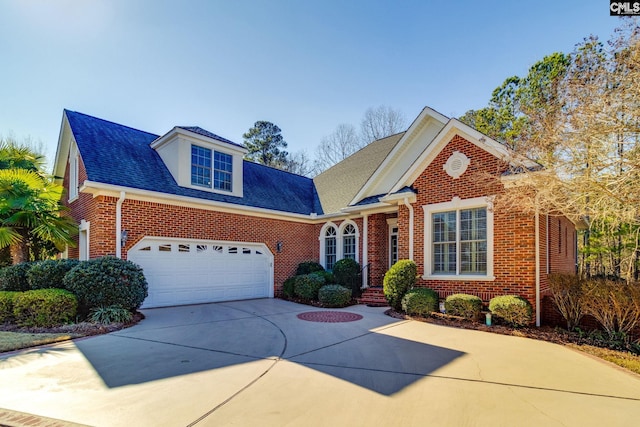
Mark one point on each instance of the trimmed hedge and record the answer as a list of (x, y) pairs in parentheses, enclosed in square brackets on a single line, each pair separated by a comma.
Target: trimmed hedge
[(347, 273), (334, 296), (463, 305), (420, 301), (6, 305), (308, 285), (308, 267), (514, 310), (49, 273), (398, 280), (107, 281), (14, 277), (44, 307)]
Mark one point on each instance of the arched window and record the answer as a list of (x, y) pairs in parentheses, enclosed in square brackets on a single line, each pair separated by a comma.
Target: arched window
[(349, 242), (330, 247)]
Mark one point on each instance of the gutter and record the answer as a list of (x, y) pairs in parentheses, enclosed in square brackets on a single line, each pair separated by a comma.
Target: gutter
[(408, 205), (119, 224), (537, 243)]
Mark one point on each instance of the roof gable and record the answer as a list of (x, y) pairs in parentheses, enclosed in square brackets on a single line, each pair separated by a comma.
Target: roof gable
[(452, 128), (413, 142)]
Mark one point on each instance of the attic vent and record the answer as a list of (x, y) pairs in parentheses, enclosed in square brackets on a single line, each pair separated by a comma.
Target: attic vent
[(456, 165)]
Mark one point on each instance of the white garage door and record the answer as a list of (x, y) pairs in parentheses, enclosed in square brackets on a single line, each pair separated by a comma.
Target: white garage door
[(197, 271)]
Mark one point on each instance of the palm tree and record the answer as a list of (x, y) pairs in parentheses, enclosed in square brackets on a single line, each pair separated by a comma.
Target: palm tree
[(30, 208)]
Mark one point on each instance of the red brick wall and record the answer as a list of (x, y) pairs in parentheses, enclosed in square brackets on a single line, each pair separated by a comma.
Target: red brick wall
[(514, 233), (378, 243)]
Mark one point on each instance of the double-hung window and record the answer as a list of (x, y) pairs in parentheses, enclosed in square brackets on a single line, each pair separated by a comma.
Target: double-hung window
[(211, 169), (349, 242), (330, 248), (459, 240)]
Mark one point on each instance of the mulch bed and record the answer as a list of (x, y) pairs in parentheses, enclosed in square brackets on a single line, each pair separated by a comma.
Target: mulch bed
[(82, 329)]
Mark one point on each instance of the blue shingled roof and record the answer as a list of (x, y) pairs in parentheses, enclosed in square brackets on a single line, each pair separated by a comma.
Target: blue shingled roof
[(120, 155), (204, 132), (375, 199)]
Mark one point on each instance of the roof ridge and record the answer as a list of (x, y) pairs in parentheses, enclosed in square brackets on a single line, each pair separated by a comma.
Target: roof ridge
[(108, 121)]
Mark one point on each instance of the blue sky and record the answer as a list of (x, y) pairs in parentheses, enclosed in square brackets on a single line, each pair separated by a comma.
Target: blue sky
[(304, 65)]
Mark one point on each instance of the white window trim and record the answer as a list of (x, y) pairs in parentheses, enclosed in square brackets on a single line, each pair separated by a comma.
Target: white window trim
[(321, 238), (74, 171), (236, 172), (457, 204), (391, 224), (83, 240), (340, 239)]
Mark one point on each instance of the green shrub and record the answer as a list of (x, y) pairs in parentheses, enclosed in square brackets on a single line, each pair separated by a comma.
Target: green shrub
[(14, 277), (6, 305), (347, 273), (288, 287), (398, 280), (420, 301), (334, 296), (111, 314), (49, 273), (463, 305), (514, 310), (308, 285), (308, 267), (44, 307), (326, 276), (107, 281)]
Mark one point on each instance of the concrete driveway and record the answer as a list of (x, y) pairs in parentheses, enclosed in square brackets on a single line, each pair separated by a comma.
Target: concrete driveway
[(255, 363)]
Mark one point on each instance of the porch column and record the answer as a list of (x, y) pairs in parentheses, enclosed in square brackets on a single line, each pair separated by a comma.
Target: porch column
[(365, 249)]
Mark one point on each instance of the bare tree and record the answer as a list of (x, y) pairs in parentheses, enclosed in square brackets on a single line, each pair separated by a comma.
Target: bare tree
[(380, 122), (337, 146), (299, 163), (588, 142)]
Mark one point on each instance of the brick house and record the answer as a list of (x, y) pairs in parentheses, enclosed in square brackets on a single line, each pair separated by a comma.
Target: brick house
[(207, 225)]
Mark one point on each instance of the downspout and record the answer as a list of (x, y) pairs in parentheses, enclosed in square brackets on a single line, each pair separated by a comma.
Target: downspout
[(537, 225), (365, 249), (548, 247), (119, 224), (408, 205)]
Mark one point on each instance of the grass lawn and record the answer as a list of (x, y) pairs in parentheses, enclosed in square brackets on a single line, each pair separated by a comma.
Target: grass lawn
[(624, 359), (17, 340)]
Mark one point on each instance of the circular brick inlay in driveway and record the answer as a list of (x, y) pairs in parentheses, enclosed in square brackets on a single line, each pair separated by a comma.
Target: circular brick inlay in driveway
[(329, 316)]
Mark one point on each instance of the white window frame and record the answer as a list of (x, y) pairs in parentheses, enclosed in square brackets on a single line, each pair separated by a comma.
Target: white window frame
[(457, 204), (339, 241), (341, 236), (83, 240), (212, 170), (74, 171), (392, 223)]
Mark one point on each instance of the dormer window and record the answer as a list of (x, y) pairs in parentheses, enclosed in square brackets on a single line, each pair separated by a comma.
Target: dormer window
[(201, 160), (201, 168)]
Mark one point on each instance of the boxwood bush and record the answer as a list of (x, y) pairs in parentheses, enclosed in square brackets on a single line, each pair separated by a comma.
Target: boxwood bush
[(44, 307), (308, 267), (420, 301), (49, 273), (514, 310), (326, 276), (6, 305), (334, 296), (308, 285), (398, 280), (463, 305), (347, 273), (107, 281), (288, 287), (14, 277)]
